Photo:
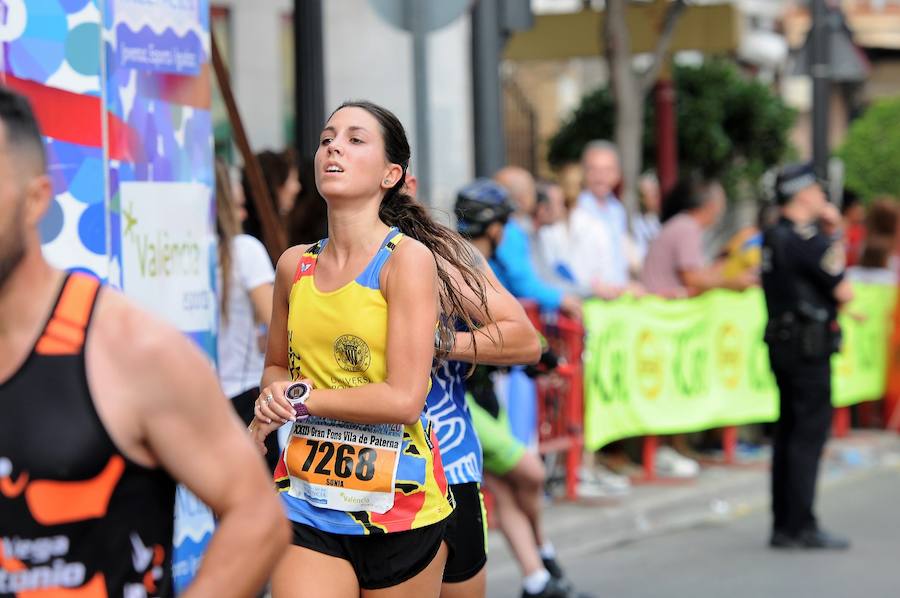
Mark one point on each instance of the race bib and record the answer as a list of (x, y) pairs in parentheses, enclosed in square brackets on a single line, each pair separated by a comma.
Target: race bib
[(344, 466)]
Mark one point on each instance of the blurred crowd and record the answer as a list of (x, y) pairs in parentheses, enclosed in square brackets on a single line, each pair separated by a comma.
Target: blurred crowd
[(566, 241)]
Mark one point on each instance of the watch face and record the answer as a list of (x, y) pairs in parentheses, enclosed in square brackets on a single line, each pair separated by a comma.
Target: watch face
[(297, 392)]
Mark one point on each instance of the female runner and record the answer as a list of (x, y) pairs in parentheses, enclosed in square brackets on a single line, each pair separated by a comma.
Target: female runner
[(361, 478)]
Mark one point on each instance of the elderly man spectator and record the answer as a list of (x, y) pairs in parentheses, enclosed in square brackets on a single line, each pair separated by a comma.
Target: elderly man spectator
[(602, 174), (599, 229)]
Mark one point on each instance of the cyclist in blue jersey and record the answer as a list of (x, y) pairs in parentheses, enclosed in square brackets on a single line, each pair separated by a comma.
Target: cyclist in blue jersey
[(508, 338), (505, 337)]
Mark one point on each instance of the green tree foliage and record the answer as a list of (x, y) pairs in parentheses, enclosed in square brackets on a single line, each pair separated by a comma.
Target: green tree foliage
[(728, 126), (871, 152)]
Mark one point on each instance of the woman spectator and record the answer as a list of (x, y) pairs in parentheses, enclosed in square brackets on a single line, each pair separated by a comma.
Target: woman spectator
[(282, 177), (245, 306)]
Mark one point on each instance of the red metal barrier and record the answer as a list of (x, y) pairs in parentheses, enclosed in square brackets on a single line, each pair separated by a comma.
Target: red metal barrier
[(560, 394), (892, 396), (840, 423), (561, 397)]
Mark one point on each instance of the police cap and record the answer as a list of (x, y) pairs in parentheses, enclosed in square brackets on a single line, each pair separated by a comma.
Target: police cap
[(793, 179)]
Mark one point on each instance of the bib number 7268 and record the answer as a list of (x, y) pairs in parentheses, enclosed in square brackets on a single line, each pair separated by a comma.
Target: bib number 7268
[(345, 459)]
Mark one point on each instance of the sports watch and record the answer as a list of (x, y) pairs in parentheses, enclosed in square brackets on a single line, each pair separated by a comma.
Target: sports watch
[(297, 393)]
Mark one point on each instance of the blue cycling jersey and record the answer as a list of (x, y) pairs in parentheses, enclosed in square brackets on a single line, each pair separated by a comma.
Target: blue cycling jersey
[(449, 413)]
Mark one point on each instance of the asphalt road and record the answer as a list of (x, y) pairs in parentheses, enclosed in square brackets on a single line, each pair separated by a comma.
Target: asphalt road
[(730, 559)]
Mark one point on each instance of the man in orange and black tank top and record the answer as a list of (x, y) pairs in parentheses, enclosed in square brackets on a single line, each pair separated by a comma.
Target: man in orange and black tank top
[(102, 409)]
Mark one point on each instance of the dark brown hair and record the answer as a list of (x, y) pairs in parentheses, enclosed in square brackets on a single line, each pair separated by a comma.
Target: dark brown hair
[(308, 221), (227, 227), (412, 219), (276, 168), (881, 233)]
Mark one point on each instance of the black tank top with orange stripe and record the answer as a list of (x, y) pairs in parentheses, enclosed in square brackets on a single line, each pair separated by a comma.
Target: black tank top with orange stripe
[(77, 518)]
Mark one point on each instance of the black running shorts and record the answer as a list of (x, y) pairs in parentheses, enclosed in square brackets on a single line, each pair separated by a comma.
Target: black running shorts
[(381, 560)]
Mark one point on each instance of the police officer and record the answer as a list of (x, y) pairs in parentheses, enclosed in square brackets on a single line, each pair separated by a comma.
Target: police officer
[(803, 281)]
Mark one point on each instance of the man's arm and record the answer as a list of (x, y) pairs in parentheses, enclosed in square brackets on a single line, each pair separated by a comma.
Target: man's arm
[(514, 255), (164, 407), (823, 259), (507, 336), (843, 292), (712, 277)]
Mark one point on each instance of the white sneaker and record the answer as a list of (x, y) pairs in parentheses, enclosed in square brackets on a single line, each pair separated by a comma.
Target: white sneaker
[(671, 463), (600, 482)]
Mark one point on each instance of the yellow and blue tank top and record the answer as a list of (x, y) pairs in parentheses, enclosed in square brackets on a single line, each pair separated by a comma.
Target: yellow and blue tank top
[(393, 473)]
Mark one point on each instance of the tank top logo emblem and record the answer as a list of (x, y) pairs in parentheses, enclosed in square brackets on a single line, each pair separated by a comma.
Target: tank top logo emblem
[(352, 353)]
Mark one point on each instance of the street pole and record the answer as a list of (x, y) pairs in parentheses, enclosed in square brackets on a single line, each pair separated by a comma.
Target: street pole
[(416, 9), (490, 149), (821, 74), (309, 77)]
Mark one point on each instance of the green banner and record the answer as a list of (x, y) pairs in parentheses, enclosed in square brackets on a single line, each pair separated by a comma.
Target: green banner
[(859, 371), (656, 366)]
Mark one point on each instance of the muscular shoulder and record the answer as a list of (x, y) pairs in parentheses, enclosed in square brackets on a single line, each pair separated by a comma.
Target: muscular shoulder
[(138, 365), (139, 343)]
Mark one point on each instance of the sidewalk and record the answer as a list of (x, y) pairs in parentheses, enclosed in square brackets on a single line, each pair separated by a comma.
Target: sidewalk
[(719, 494)]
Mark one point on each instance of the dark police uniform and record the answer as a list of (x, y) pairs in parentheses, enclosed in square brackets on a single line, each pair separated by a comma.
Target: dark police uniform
[(801, 268)]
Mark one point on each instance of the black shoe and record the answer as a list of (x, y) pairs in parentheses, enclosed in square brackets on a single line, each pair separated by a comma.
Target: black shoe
[(814, 539), (556, 572), (553, 568), (817, 538), (553, 589), (781, 539)]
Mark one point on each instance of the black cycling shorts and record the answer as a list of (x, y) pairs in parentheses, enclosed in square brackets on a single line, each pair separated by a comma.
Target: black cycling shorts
[(466, 534)]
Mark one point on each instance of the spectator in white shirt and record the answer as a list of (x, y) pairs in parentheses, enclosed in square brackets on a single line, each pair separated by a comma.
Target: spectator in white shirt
[(551, 240), (598, 226), (245, 284)]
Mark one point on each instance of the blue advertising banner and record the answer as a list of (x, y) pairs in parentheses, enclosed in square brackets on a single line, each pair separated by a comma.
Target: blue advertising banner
[(122, 90), (161, 218)]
